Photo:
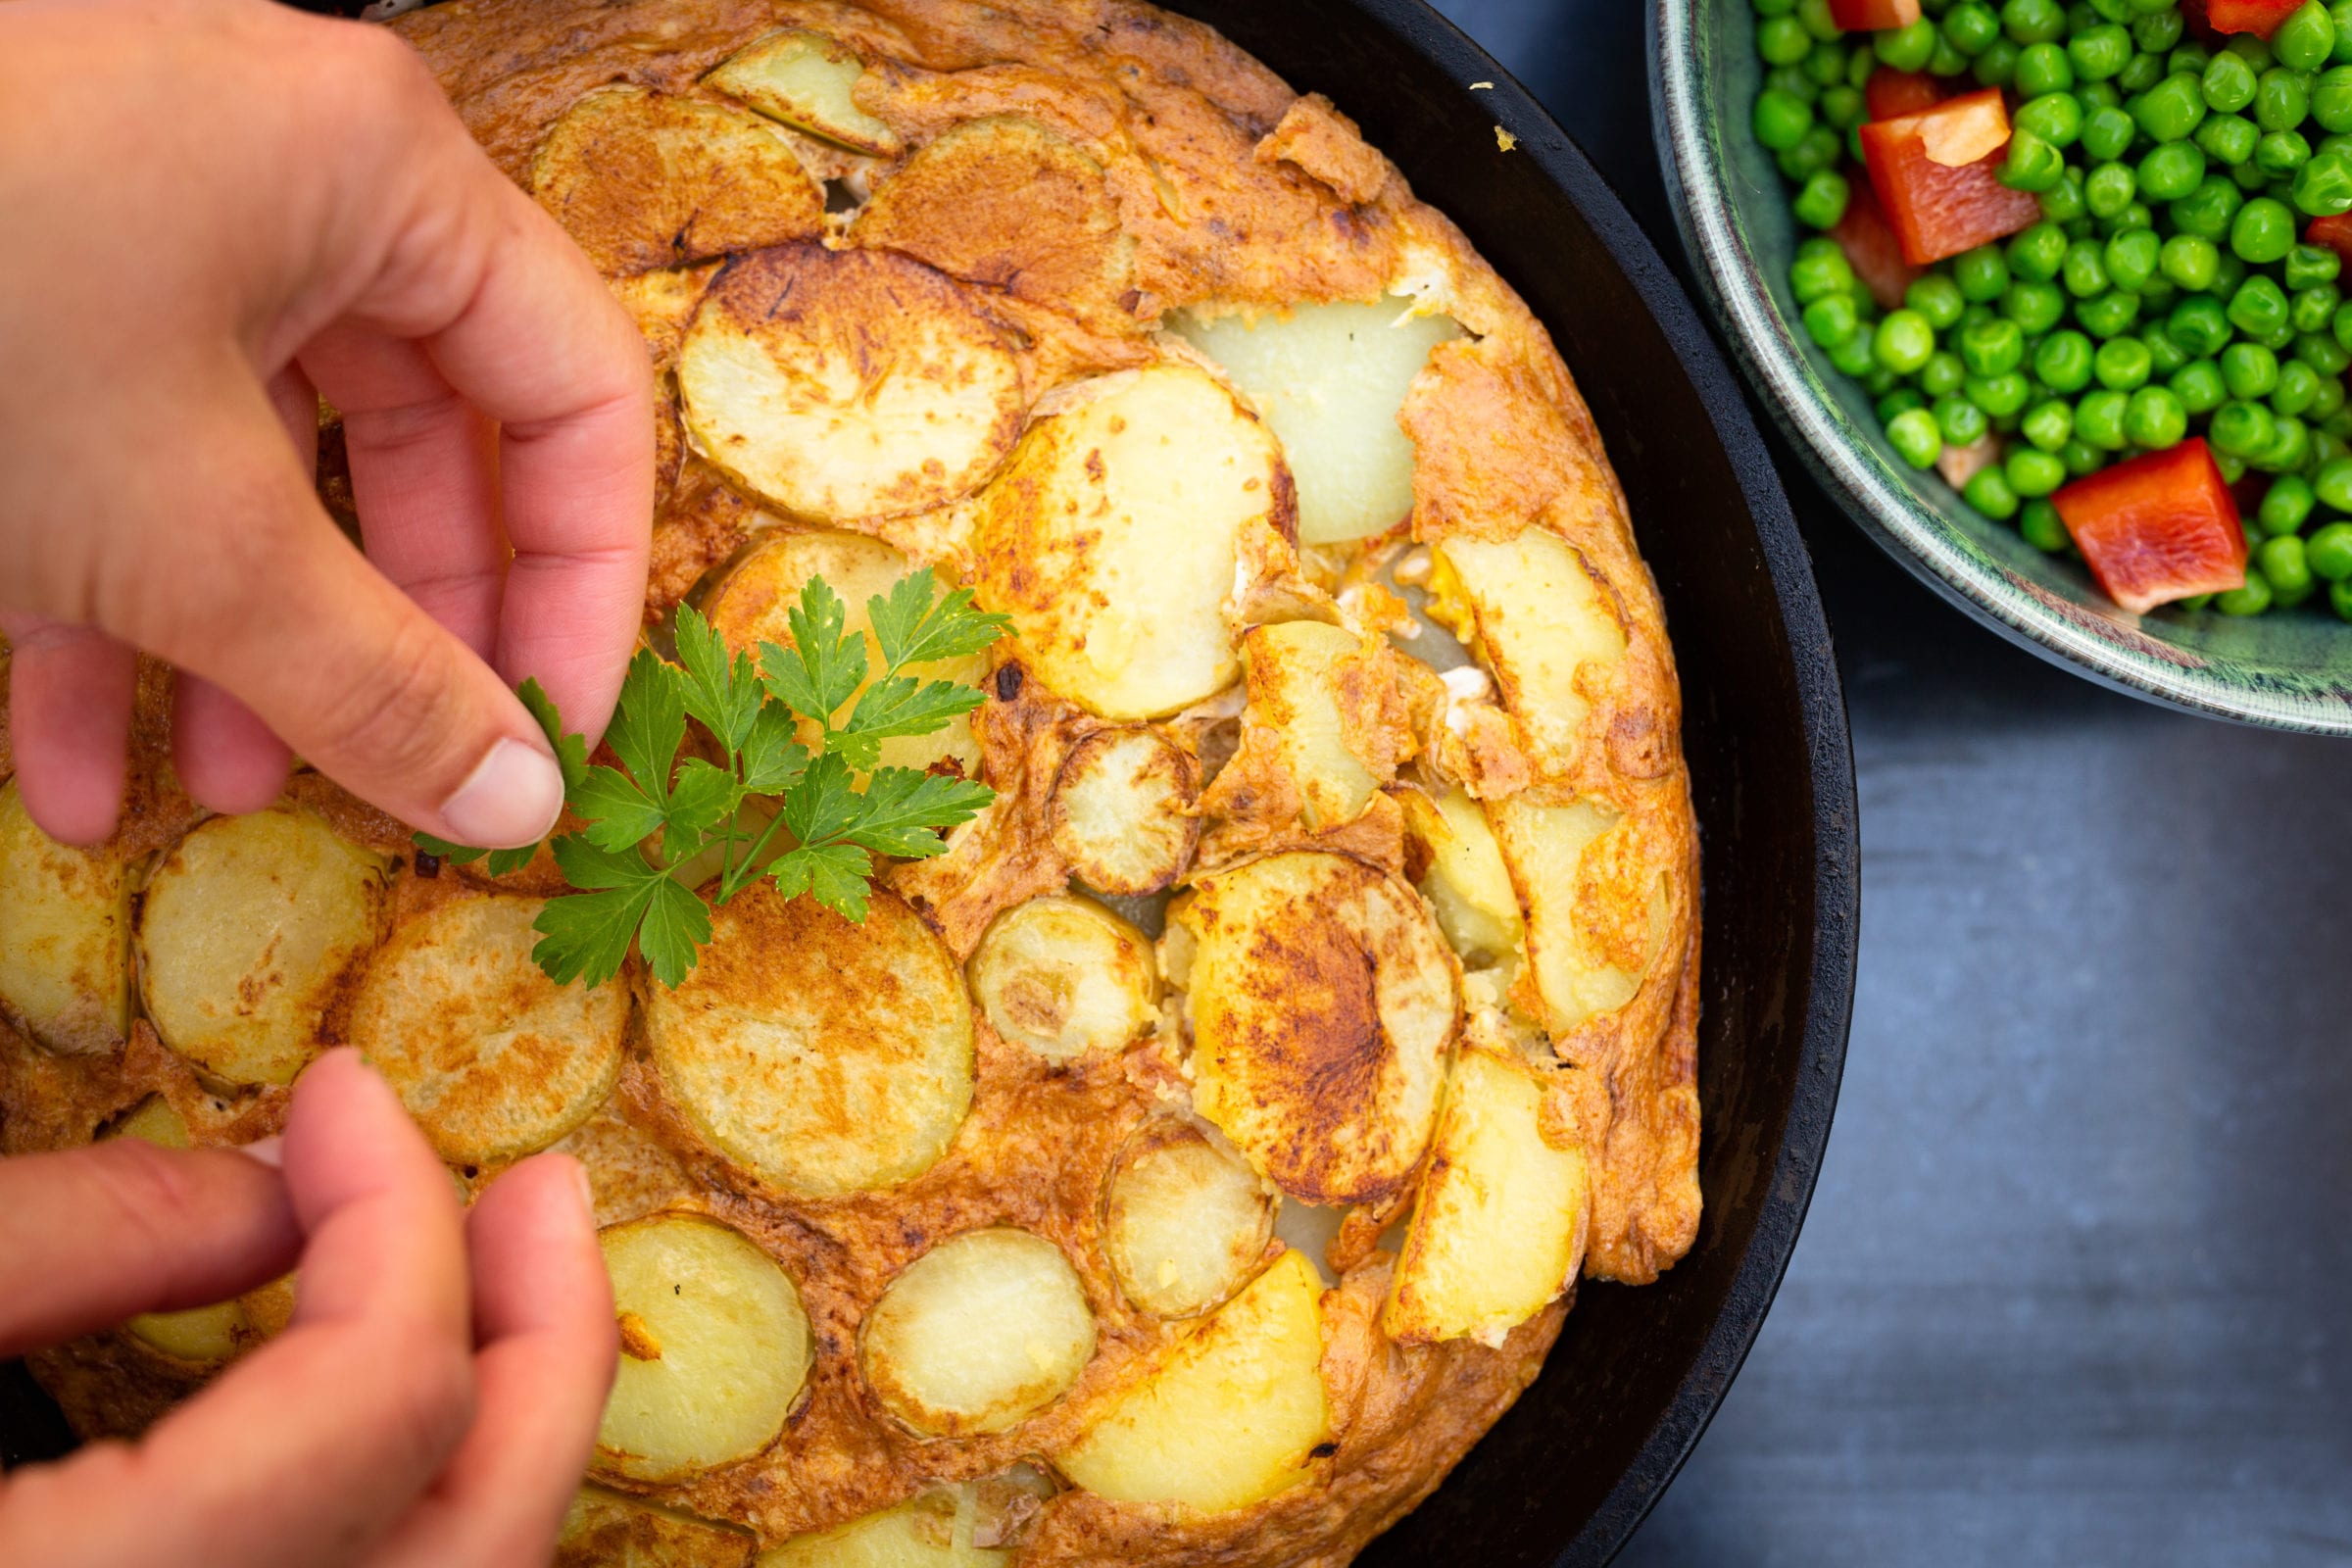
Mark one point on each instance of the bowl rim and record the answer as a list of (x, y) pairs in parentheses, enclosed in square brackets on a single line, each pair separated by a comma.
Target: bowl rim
[(1887, 512)]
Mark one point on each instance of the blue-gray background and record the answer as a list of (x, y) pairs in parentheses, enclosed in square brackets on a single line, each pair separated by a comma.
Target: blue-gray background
[(2077, 1285)]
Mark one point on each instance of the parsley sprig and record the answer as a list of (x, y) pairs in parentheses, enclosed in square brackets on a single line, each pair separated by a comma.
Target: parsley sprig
[(791, 726)]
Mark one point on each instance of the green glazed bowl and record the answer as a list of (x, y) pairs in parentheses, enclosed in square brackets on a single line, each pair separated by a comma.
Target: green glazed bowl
[(2289, 670)]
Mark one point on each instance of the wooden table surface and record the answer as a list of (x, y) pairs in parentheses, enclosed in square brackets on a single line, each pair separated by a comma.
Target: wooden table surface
[(2077, 1285)]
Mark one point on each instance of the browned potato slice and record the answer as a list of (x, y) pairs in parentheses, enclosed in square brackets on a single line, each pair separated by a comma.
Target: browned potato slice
[(1322, 1003), (1184, 1221), (490, 1055), (607, 1530), (1112, 540), (65, 936), (961, 1525), (1330, 378), (844, 384), (1499, 1230), (1230, 1416), (822, 1057), (1327, 695), (978, 1333), (199, 1334), (1545, 847), (805, 80), (631, 1173), (245, 931), (1008, 204), (749, 606), (1125, 809), (661, 303), (714, 1346), (1466, 882), (1064, 976), (643, 179), (1538, 618)]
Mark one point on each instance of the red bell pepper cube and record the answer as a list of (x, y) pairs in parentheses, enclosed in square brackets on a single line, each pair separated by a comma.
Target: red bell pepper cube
[(2260, 17), (2161, 527), (2334, 232), (1939, 209), (1890, 94), (1870, 16), (1872, 250)]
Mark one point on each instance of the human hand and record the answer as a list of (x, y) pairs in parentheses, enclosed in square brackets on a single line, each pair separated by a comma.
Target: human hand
[(404, 1418), (214, 206)]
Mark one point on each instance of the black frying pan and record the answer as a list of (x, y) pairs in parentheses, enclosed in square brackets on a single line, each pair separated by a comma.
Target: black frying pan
[(1566, 1476)]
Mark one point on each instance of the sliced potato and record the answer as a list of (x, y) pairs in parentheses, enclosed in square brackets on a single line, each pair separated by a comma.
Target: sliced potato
[(1540, 621), (962, 1525), (661, 303), (1113, 536), (805, 80), (752, 604), (1064, 976), (1230, 1416), (1466, 882), (492, 1057), (1329, 697), (714, 1346), (1184, 1221), (631, 1173), (1545, 847), (1330, 378), (245, 931), (199, 1334), (1322, 1003), (1006, 203), (819, 1056), (978, 1333), (1125, 809), (608, 1529), (65, 936), (1499, 1230), (844, 384), (642, 179)]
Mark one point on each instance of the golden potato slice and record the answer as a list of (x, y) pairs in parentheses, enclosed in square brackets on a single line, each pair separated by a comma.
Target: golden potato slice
[(1545, 847), (199, 1334), (962, 1525), (1329, 698), (805, 80), (1112, 540), (1322, 1003), (1230, 1416), (661, 303), (714, 1346), (1124, 812), (1064, 976), (1007, 204), (1330, 378), (843, 385), (751, 605), (492, 1057), (65, 936), (1539, 620), (819, 1056), (244, 933), (1466, 882), (607, 1530), (978, 1333), (1184, 1221), (643, 179), (1498, 1229)]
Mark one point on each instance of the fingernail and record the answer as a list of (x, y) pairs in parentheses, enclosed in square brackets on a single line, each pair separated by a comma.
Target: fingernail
[(579, 1174), (270, 1152), (512, 797)]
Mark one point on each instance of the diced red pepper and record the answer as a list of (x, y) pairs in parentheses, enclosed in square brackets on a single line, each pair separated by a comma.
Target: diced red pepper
[(2260, 17), (1936, 210), (2161, 527), (1890, 94), (1872, 250), (1869, 16), (2334, 232)]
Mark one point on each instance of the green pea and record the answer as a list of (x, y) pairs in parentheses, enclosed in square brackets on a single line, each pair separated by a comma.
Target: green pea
[(2276, 338), (1936, 299), (2262, 231), (1831, 319), (2062, 362), (2285, 568), (1997, 66), (2249, 178), (1906, 48), (2140, 73), (2228, 138), (2171, 110), (2085, 272), (2332, 99), (2258, 306), (2249, 371), (1960, 421), (2099, 419), (2206, 210), (2323, 187), (2164, 355), (2042, 68), (1815, 16), (2048, 426), (2108, 315), (2055, 117), (1842, 108), (2310, 309), (2099, 53), (1942, 373), (2187, 59), (1903, 341), (2198, 324), (2036, 307), (2227, 273), (2131, 257), (2082, 457), (2281, 153), (2306, 39), (2107, 133), (2251, 600), (1987, 490), (2240, 428), (1792, 80), (2156, 31), (2330, 399), (2033, 164), (1914, 437), (2325, 448), (2329, 552), (2155, 419), (1825, 66), (2323, 352), (2309, 265), (2297, 387), (2168, 173), (1971, 28), (1861, 64), (1899, 401), (1855, 356), (1783, 40), (1822, 201), (1992, 348), (2032, 473), (2029, 22), (2251, 47), (2333, 485), (2199, 387), (2188, 261), (2042, 528), (1946, 61), (2229, 84), (1999, 396), (2135, 216), (2341, 326), (2280, 100), (2108, 189), (1818, 149), (2120, 364), (1773, 8), (2062, 203), (2286, 505), (2037, 252), (1982, 274)]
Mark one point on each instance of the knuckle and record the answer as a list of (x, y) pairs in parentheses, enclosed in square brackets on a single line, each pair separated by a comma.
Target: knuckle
[(401, 711), (428, 1396)]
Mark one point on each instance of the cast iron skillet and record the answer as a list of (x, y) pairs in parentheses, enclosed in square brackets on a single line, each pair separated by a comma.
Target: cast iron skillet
[(1570, 1471)]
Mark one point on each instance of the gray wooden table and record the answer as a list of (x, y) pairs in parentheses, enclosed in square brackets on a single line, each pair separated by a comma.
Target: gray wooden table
[(2077, 1285)]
